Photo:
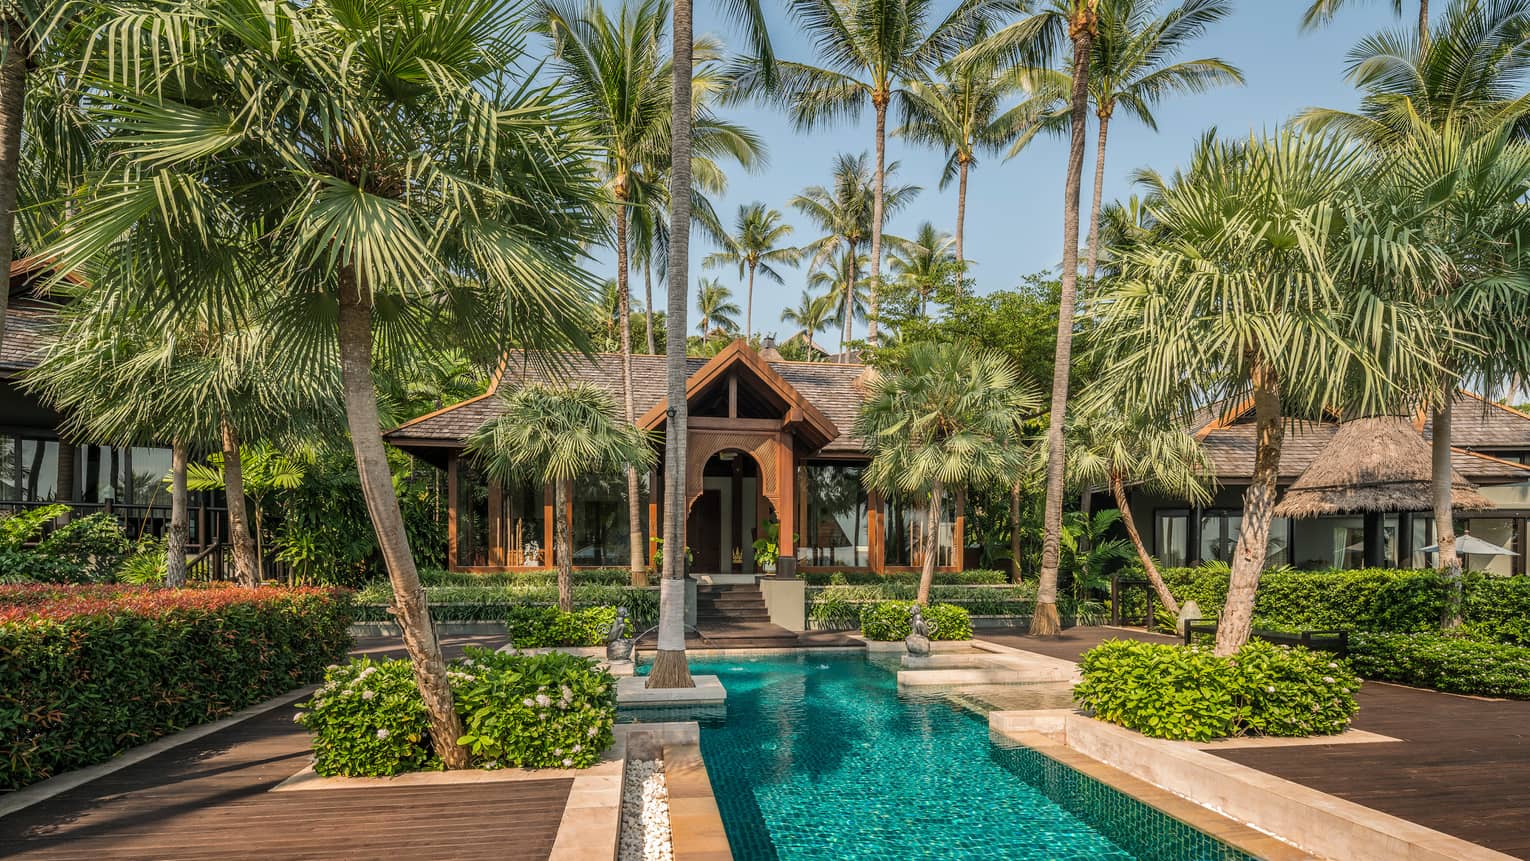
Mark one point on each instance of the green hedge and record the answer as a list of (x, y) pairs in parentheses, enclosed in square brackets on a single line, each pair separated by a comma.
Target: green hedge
[(541, 627), (90, 671), (974, 577), (494, 603), (1177, 692), (1454, 664), (526, 577), (889, 621), (530, 711), (839, 607)]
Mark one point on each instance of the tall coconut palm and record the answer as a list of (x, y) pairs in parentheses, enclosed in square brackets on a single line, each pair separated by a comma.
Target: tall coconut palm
[(361, 236), (1322, 11), (846, 293), (1113, 447), (553, 435), (812, 315), (1274, 227), (755, 245), (870, 50), (845, 212), (714, 302), (924, 263), (946, 418)]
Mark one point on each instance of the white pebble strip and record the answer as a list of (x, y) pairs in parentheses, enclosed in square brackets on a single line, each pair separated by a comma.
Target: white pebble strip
[(645, 813)]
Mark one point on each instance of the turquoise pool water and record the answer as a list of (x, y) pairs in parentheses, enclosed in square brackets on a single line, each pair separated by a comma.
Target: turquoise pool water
[(818, 756)]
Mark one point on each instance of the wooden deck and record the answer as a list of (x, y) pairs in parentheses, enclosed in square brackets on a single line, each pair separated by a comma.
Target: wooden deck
[(1462, 765), (210, 799)]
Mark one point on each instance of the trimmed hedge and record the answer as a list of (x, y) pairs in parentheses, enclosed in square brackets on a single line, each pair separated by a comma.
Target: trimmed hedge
[(540, 627), (1177, 692), (530, 711), (87, 672), (525, 577), (889, 621), (1453, 664), (974, 577), (840, 607), (495, 603)]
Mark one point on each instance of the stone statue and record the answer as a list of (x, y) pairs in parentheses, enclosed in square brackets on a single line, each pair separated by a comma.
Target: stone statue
[(618, 644), (918, 641)]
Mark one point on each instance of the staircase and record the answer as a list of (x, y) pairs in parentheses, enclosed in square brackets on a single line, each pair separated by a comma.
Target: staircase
[(733, 616)]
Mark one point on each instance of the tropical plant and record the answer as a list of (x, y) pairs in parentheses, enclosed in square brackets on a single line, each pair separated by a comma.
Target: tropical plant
[(812, 315), (844, 212), (263, 470), (715, 305), (1275, 228), (755, 246), (466, 209), (844, 292), (1322, 11), (1091, 549), (924, 264), (945, 418), (870, 50), (552, 436)]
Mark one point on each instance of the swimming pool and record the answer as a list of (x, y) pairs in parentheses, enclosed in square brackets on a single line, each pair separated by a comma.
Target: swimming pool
[(820, 757)]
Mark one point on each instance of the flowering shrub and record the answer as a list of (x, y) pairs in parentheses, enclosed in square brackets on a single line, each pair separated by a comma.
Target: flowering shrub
[(532, 711), (1454, 664), (90, 671), (538, 627), (1181, 692), (889, 621)]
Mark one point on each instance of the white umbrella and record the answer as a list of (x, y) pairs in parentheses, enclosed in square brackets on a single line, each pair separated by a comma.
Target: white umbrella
[(1472, 545)]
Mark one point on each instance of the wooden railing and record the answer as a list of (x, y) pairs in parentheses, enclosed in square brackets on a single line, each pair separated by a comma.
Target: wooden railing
[(208, 564), (1336, 642)]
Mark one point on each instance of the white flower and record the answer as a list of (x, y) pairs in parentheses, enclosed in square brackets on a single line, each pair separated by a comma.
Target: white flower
[(1332, 665), (1328, 679), (591, 733), (367, 695), (1270, 688), (567, 693), (544, 700), (567, 763), (526, 702), (558, 752), (576, 748), (382, 733), (297, 718)]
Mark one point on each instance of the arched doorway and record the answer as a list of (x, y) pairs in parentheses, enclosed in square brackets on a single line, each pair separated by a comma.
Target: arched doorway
[(725, 517)]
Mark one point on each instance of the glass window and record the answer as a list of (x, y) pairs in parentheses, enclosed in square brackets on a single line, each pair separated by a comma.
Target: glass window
[(519, 526), (904, 533), (39, 470), (1219, 537), (146, 472), (1494, 530), (835, 533), (10, 490), (472, 516), (1171, 539), (601, 532)]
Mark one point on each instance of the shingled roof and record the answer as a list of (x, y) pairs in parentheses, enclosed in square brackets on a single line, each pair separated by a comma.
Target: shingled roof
[(28, 334), (831, 388), (1228, 437)]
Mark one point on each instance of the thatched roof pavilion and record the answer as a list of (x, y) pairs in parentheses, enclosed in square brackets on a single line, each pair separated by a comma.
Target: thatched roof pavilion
[(1372, 465)]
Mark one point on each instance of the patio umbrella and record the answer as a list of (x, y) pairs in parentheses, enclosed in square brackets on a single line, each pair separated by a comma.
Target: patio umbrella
[(1473, 546)]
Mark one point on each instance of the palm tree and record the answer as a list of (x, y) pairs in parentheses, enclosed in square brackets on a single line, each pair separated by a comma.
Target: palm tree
[(553, 435), (924, 263), (946, 418), (1322, 11), (846, 293), (1036, 41), (845, 213), (1114, 447), (870, 49), (755, 245), (362, 236), (1255, 225), (812, 315), (718, 311)]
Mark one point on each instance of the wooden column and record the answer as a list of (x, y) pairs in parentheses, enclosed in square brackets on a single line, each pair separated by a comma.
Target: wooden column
[(496, 524), (547, 527), (452, 496), (786, 483), (875, 552), (958, 531), (655, 527), (1404, 541), (1375, 539)]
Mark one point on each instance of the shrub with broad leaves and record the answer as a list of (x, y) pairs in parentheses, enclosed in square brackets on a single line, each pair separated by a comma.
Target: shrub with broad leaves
[(889, 621), (540, 627)]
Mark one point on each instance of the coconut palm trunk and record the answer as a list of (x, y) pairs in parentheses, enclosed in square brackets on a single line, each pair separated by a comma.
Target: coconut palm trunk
[(648, 305), (1149, 567), (1046, 622), (409, 603), (1423, 23), (931, 543), (879, 100), (1444, 519), (961, 211), (749, 305), (563, 490), (1237, 619), (13, 87), (847, 331), (670, 669), (1099, 185), (246, 562), (180, 526), (635, 547)]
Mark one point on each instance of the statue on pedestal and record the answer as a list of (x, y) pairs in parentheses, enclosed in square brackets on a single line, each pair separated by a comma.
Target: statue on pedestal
[(918, 641), (618, 644)]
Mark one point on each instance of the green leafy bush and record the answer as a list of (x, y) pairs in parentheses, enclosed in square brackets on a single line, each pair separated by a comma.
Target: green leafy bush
[(974, 577), (1181, 692), (146, 565), (494, 603), (525, 577), (531, 711), (90, 671), (93, 546), (1455, 664), (889, 621), (839, 607), (539, 627), (21, 527)]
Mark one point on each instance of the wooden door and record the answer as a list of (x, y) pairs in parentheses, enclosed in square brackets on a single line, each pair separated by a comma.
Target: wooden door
[(703, 529)]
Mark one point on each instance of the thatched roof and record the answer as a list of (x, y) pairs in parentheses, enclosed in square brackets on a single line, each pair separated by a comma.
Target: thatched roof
[(1372, 464)]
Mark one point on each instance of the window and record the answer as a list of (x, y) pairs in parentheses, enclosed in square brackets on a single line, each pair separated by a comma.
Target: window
[(38, 464), (472, 516), (1171, 538), (835, 531), (519, 528), (602, 534), (1219, 537), (904, 531), (146, 469)]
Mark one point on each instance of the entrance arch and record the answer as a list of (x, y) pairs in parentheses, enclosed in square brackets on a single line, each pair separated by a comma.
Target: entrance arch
[(725, 512)]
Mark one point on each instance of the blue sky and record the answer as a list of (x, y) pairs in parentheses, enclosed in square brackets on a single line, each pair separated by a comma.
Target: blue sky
[(1014, 208)]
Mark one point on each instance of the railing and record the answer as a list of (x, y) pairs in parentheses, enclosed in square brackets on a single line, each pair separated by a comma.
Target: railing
[(1336, 642), (208, 564), (1118, 585), (208, 523)]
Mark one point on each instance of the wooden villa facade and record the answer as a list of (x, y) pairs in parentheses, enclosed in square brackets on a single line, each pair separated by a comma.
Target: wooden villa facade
[(768, 441)]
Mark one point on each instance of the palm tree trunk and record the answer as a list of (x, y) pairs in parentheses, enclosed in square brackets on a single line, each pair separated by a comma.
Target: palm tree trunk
[(180, 527), (961, 213), (648, 304), (563, 490), (246, 565), (1149, 567), (749, 305), (1014, 533), (879, 100), (847, 329), (1045, 622), (1423, 23), (409, 603), (635, 563), (1441, 473), (670, 669), (1094, 207), (1237, 619), (13, 89), (931, 543)]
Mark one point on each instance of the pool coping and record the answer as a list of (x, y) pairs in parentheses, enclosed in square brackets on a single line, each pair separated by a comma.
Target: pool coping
[(695, 821), (1315, 822)]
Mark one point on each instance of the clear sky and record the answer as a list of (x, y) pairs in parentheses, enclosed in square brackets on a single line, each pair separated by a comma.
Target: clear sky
[(1014, 208)]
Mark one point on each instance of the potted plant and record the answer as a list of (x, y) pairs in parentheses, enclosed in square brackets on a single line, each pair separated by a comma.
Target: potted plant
[(767, 548), (658, 555)]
